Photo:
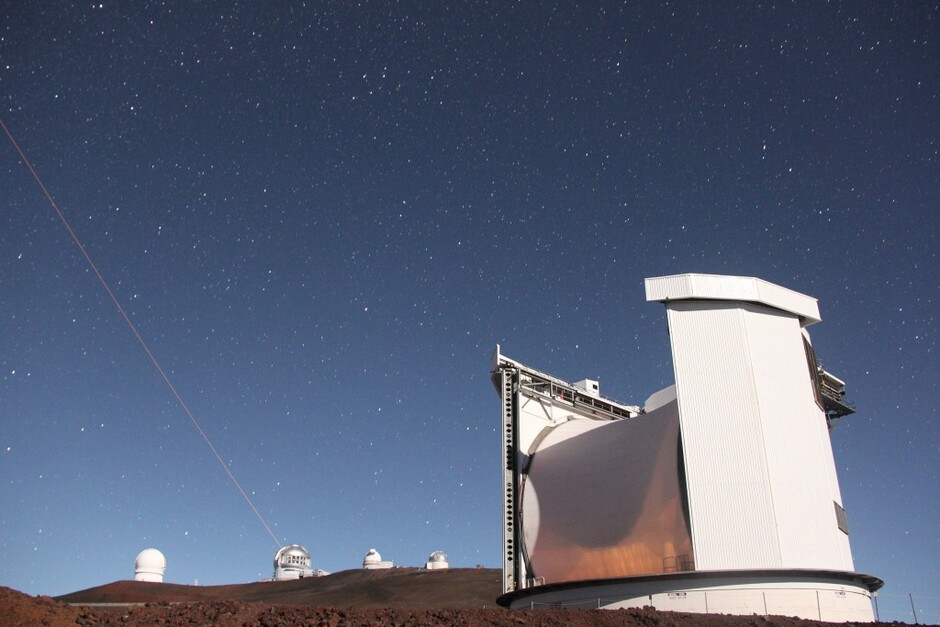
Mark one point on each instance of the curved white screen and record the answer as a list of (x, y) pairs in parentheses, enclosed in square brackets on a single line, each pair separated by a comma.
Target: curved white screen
[(604, 499)]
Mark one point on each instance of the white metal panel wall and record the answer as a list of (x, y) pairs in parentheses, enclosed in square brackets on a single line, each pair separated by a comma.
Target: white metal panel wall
[(757, 453), (732, 288), (711, 286), (797, 443), (845, 549), (730, 502)]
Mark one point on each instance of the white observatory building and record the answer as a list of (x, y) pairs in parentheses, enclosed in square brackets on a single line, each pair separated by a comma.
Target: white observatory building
[(719, 495), (437, 561), (149, 566), (292, 562), (373, 561)]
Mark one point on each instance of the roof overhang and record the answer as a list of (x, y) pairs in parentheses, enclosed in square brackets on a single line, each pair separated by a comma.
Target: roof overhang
[(732, 288)]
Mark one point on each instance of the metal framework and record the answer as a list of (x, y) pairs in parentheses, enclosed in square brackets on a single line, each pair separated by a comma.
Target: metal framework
[(832, 395), (507, 385), (513, 380)]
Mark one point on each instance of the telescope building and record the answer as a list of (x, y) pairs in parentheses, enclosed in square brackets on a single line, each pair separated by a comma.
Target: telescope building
[(719, 495)]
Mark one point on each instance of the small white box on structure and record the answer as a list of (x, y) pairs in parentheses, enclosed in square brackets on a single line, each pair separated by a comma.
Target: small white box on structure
[(589, 387)]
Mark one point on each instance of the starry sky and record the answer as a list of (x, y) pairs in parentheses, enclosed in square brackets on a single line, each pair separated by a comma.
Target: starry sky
[(323, 217)]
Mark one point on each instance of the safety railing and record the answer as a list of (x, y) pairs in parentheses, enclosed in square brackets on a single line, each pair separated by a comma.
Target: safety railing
[(914, 609)]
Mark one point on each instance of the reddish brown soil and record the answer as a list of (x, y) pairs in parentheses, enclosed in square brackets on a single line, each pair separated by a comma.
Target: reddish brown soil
[(396, 597), (412, 588)]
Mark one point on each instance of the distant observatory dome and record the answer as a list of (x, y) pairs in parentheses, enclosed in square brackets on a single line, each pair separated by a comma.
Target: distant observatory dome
[(373, 560), (292, 562), (437, 560), (150, 566)]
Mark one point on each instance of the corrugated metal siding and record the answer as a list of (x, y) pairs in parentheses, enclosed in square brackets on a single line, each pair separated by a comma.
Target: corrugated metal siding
[(666, 287), (757, 454), (732, 288), (742, 288), (730, 504), (784, 298), (796, 441)]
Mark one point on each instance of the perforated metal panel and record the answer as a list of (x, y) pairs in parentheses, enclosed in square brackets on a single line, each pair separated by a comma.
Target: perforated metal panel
[(508, 398)]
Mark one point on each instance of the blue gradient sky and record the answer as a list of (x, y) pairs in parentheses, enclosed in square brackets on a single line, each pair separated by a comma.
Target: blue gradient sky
[(323, 219)]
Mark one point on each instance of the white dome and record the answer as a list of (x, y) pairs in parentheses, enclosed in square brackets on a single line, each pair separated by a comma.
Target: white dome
[(373, 561), (149, 566), (291, 554), (292, 562), (437, 560)]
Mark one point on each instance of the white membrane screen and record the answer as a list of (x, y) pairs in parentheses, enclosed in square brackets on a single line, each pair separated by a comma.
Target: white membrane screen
[(604, 499)]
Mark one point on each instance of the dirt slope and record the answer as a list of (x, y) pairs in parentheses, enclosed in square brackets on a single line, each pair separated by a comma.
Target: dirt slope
[(413, 588), (401, 596)]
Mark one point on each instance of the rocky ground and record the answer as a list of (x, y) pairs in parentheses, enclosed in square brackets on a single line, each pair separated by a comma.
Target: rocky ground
[(416, 597)]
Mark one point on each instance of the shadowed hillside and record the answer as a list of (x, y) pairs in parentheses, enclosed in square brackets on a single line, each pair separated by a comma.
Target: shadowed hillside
[(413, 588)]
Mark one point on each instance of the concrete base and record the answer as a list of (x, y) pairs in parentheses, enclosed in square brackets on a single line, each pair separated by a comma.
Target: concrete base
[(815, 595)]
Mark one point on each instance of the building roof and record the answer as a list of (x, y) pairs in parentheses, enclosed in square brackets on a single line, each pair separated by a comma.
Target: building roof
[(732, 288)]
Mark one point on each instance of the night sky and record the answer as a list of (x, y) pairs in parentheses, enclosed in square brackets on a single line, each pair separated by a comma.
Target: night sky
[(323, 218)]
